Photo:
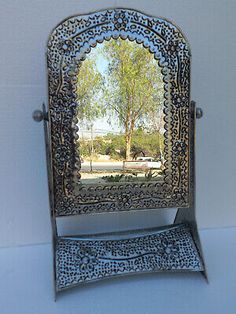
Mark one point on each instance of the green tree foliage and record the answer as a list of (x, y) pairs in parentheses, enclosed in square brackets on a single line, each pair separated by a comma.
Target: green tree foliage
[(129, 89), (90, 86), (89, 97), (143, 144), (134, 90)]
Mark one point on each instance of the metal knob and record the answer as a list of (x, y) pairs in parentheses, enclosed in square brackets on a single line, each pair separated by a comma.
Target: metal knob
[(38, 116), (199, 113)]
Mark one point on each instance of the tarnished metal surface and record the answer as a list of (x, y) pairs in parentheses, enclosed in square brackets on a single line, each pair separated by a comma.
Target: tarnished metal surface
[(189, 214), (68, 44), (84, 260), (199, 113), (172, 248)]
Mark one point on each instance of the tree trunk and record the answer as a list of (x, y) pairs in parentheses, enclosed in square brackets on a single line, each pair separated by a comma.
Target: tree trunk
[(128, 146), (91, 150)]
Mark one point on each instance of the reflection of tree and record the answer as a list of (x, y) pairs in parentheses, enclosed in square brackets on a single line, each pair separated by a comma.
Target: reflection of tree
[(135, 87), (156, 124), (129, 88), (89, 91), (143, 144)]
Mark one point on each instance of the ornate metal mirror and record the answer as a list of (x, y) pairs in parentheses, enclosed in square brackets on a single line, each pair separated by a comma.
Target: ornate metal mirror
[(120, 137)]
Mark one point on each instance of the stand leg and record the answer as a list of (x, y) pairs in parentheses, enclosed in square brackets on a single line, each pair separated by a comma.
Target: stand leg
[(187, 215), (50, 192)]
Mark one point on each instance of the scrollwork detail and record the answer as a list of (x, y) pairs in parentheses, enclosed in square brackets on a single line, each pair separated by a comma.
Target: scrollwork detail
[(67, 46), (79, 261)]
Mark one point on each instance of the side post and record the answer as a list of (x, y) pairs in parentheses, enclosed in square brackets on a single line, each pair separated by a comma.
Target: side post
[(188, 215), (50, 192)]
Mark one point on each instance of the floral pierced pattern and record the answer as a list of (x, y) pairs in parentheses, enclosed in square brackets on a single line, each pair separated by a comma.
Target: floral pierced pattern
[(67, 46), (79, 261), (85, 259), (120, 21)]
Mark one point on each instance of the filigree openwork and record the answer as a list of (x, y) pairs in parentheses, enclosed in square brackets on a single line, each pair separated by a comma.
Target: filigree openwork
[(79, 261), (67, 47)]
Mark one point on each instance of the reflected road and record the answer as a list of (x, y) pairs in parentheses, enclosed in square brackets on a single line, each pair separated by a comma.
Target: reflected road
[(100, 165)]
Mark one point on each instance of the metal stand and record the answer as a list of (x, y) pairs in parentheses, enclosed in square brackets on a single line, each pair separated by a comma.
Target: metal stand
[(172, 248), (187, 215)]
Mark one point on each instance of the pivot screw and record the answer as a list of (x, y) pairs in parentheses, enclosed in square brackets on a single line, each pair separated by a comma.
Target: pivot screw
[(199, 113), (38, 115)]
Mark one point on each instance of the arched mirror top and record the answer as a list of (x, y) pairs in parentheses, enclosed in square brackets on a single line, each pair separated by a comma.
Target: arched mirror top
[(70, 47)]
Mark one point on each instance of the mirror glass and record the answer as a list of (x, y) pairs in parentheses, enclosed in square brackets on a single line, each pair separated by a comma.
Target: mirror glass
[(120, 95)]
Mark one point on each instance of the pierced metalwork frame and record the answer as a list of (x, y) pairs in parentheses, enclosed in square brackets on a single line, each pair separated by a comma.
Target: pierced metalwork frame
[(176, 247), (68, 45)]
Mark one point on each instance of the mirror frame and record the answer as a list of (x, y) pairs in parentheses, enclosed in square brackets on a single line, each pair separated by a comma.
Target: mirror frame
[(67, 47)]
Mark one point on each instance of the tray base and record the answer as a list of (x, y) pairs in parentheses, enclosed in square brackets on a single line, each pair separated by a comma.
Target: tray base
[(80, 260)]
